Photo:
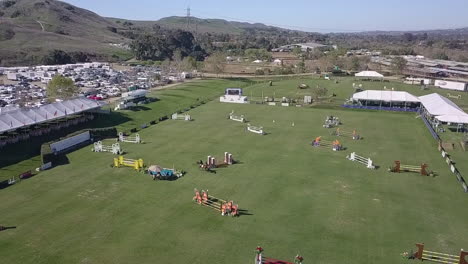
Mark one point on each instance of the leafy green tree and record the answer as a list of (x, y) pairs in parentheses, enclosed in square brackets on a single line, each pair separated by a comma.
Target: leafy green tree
[(398, 65), (61, 87)]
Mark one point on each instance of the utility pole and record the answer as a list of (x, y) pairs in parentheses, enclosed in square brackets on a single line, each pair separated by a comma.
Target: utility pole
[(188, 18)]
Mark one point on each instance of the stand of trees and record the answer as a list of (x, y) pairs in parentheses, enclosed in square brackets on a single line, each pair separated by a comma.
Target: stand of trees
[(152, 46)]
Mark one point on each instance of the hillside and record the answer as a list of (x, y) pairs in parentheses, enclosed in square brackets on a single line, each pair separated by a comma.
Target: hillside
[(30, 29), (202, 25)]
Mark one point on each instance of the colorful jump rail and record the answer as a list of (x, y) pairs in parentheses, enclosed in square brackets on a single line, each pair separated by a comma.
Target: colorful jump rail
[(438, 257)]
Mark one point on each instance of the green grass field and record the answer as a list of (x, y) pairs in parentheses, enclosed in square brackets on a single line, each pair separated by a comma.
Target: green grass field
[(298, 199)]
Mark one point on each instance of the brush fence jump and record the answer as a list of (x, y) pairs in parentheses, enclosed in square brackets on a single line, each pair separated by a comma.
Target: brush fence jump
[(185, 117), (423, 254), (256, 130), (135, 139), (360, 159), (237, 118), (114, 148), (123, 162)]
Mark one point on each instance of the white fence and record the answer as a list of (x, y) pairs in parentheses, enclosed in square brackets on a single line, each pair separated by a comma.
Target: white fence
[(364, 161), (70, 142)]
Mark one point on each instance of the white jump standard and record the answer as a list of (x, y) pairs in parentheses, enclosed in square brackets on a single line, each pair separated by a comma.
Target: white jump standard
[(237, 118), (136, 139), (177, 116), (256, 130), (114, 149), (364, 161)]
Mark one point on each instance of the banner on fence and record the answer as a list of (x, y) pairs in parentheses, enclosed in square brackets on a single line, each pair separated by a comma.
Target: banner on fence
[(452, 168), (273, 104), (448, 160), (459, 177), (444, 154)]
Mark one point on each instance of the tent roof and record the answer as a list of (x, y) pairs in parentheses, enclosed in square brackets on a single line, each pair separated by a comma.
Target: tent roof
[(387, 96), (373, 74), (459, 119), (24, 117), (438, 105)]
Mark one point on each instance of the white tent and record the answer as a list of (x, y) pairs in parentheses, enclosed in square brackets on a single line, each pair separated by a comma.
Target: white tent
[(386, 96), (437, 105), (457, 119), (369, 74), (13, 120), (443, 109)]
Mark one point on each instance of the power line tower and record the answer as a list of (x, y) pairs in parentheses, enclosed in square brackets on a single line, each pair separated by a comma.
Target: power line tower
[(188, 18)]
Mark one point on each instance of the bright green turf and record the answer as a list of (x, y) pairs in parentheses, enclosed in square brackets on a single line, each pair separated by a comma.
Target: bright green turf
[(301, 199), (169, 101)]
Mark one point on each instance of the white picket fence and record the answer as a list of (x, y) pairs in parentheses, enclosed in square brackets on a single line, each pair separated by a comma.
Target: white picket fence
[(135, 139), (236, 118), (256, 130), (114, 148), (185, 117), (360, 159)]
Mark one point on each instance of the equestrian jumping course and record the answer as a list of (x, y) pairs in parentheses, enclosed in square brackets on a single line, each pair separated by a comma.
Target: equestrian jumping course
[(130, 139), (123, 162), (237, 118), (300, 200), (410, 168), (255, 129), (438, 257), (114, 148), (360, 159), (184, 117)]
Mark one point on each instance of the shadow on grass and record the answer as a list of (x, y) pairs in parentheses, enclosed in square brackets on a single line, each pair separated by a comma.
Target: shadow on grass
[(244, 212), (25, 150)]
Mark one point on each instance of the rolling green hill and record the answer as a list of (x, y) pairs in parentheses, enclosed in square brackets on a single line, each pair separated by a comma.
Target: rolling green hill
[(30, 29)]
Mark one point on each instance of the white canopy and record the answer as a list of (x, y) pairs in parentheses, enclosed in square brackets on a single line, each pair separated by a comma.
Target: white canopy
[(386, 96), (31, 116), (443, 109), (369, 74), (458, 119), (438, 105)]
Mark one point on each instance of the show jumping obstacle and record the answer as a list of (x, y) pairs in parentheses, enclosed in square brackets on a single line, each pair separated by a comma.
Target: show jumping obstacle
[(423, 254), (226, 208), (136, 164), (256, 130), (185, 117), (260, 259), (360, 159), (331, 121), (236, 117), (114, 149), (334, 145), (410, 168), (228, 160), (341, 133), (135, 139)]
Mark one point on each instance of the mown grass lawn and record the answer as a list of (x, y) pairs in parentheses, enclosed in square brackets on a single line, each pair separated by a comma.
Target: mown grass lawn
[(299, 199)]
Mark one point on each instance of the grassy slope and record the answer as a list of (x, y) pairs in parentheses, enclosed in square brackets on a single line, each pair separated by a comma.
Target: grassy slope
[(86, 31), (301, 199)]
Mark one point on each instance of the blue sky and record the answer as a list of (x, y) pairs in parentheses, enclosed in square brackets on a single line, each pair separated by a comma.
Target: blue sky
[(311, 15)]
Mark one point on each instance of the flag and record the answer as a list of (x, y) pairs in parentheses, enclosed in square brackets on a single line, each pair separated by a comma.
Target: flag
[(65, 111), (55, 114), (11, 123), (46, 116), (82, 105), (74, 109)]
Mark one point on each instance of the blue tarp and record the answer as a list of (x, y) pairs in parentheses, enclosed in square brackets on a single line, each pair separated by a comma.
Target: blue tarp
[(393, 109)]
